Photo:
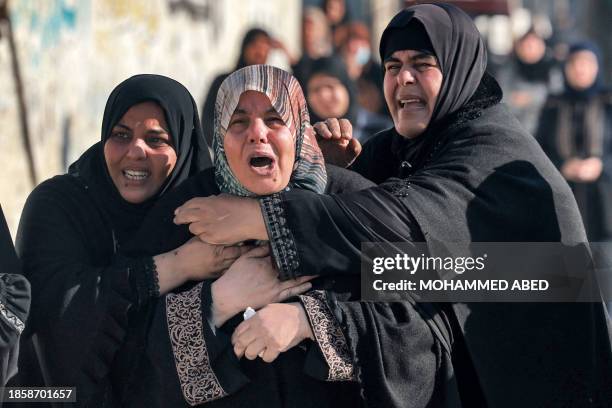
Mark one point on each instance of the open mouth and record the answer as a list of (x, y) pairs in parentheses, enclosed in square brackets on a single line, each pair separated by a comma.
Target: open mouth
[(136, 175), (415, 103), (262, 164), (260, 161)]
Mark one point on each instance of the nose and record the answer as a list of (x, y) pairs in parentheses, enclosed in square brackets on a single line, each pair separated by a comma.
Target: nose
[(137, 149), (258, 132), (405, 77)]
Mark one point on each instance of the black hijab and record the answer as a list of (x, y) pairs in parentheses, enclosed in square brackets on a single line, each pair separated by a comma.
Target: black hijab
[(462, 66), (537, 71), (461, 55), (184, 127), (334, 67), (597, 87)]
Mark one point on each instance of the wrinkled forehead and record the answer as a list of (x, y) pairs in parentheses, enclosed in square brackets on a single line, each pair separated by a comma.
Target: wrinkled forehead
[(277, 85), (253, 101)]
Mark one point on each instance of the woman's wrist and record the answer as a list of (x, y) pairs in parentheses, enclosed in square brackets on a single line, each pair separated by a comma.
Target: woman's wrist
[(305, 329), (222, 311), (258, 225), (170, 274)]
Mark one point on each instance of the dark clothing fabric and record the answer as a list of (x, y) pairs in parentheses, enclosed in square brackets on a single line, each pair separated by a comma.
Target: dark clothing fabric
[(14, 307), (486, 180), (295, 379), (534, 72), (73, 278), (578, 128), (71, 233), (14, 303), (301, 69), (412, 36)]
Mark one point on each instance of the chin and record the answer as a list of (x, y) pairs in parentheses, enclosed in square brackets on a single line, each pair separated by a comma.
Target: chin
[(410, 132), (134, 198), (265, 187), (265, 190)]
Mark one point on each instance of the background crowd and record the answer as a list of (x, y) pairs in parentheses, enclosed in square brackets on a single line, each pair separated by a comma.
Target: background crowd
[(332, 52)]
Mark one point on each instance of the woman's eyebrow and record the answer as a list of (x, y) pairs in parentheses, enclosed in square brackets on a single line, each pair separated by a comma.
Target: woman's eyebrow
[(416, 57), (391, 59), (158, 131), (423, 56), (240, 111), (121, 125)]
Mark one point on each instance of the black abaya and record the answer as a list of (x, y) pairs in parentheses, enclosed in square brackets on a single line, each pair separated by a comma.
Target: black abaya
[(473, 176), (70, 239), (215, 376)]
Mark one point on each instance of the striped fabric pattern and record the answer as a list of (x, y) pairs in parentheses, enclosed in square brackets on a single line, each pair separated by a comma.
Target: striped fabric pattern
[(288, 100)]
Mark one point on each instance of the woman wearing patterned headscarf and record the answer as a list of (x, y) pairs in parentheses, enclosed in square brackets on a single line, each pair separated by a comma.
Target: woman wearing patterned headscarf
[(181, 351), (456, 167)]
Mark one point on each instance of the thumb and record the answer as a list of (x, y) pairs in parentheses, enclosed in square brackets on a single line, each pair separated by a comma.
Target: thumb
[(354, 147)]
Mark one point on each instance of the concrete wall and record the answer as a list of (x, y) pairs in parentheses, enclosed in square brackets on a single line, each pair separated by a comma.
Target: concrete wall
[(73, 52)]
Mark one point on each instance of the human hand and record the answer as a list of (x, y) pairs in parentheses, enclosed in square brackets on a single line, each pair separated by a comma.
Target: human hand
[(570, 169), (252, 281), (194, 260), (590, 169), (335, 137), (272, 330), (223, 220), (520, 99), (582, 170)]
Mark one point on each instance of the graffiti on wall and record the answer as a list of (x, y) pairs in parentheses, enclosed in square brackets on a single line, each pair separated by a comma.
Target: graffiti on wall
[(204, 11), (49, 20)]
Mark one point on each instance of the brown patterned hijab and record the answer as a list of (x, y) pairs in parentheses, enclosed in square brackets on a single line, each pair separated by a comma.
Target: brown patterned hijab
[(288, 100)]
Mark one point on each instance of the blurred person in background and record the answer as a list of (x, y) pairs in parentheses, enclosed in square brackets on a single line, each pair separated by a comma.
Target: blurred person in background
[(337, 15), (575, 131), (316, 42), (356, 51), (254, 50), (331, 93), (526, 79)]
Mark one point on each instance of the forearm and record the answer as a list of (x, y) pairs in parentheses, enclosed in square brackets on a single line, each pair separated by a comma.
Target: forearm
[(322, 235), (169, 275), (222, 308)]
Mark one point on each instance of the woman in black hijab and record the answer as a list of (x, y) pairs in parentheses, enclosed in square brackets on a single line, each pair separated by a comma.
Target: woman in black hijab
[(457, 168), (576, 132), (75, 226), (254, 49), (331, 93)]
